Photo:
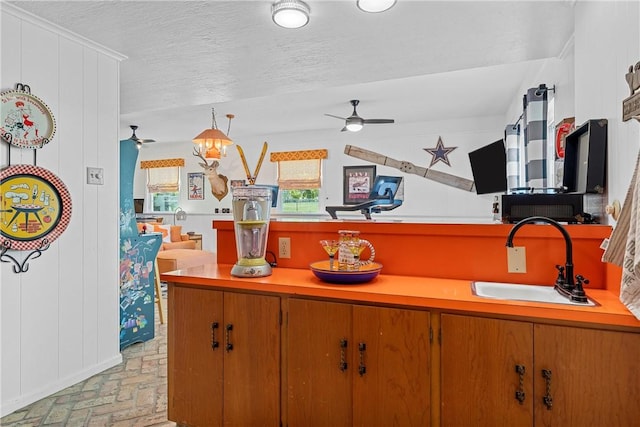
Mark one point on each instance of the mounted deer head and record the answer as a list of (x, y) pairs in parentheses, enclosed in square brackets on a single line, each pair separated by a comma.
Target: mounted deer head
[(217, 181)]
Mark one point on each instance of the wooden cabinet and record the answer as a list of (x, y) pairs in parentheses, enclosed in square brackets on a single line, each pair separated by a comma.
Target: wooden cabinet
[(594, 377), (571, 377), (223, 358), (357, 365)]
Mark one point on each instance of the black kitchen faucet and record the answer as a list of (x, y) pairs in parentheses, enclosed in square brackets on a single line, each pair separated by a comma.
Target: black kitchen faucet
[(565, 283)]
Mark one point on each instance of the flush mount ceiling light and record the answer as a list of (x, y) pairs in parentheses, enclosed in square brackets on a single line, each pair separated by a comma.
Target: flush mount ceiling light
[(290, 13), (375, 6)]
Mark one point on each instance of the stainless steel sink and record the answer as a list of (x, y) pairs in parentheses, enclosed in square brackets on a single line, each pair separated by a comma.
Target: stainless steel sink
[(519, 292)]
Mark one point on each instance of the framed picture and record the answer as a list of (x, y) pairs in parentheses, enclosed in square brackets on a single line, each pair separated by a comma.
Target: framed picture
[(238, 183), (358, 181), (196, 185)]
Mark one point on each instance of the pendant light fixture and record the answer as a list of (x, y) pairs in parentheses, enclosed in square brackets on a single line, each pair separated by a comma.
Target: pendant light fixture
[(290, 13), (375, 6), (213, 142)]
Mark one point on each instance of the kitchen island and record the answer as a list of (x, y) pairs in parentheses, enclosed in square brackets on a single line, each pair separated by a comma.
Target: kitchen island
[(404, 350)]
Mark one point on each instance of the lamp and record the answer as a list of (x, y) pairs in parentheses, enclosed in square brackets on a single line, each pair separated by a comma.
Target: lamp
[(179, 215), (290, 13), (375, 6), (213, 141)]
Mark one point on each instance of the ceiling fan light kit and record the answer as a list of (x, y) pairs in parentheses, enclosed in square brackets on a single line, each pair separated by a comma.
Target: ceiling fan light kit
[(354, 122), (354, 125), (290, 13), (375, 6)]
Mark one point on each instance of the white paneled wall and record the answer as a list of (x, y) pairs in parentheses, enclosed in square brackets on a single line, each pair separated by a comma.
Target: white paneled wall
[(607, 41), (59, 320)]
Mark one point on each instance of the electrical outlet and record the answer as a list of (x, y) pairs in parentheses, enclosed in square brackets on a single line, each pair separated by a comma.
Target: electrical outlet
[(516, 260), (284, 245), (95, 176)]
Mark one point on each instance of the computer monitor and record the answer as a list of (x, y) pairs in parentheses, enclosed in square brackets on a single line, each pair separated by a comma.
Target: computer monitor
[(138, 205), (385, 187)]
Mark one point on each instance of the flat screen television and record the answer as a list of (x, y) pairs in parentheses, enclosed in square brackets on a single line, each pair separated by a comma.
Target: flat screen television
[(138, 205), (489, 168)]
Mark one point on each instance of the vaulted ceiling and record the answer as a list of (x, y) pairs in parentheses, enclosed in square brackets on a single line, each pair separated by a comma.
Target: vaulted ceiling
[(419, 61)]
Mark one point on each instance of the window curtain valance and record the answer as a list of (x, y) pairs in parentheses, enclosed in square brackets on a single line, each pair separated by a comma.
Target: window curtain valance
[(299, 169), (298, 155), (162, 163)]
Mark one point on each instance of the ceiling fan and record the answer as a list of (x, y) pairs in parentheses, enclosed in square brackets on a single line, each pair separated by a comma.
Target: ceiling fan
[(354, 122), (139, 141)]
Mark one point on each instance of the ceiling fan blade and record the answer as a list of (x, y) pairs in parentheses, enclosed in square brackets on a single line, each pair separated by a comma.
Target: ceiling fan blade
[(337, 117), (378, 121), (343, 129)]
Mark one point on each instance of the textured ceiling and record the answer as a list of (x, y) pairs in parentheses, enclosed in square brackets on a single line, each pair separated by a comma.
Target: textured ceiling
[(419, 61)]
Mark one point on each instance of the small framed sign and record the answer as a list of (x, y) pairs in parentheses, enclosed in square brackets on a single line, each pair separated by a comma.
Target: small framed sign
[(196, 185), (358, 181)]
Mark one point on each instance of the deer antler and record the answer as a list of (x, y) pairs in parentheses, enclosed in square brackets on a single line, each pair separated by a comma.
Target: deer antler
[(197, 153)]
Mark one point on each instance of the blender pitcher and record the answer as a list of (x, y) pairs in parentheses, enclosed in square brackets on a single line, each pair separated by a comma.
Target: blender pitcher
[(251, 213)]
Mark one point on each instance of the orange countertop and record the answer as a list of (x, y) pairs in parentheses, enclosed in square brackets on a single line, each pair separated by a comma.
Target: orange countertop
[(410, 291)]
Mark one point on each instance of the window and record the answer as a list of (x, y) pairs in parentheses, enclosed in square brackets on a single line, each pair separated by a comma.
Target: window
[(163, 183), (300, 180)]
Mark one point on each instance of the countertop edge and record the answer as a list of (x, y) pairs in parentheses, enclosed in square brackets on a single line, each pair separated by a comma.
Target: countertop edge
[(451, 295)]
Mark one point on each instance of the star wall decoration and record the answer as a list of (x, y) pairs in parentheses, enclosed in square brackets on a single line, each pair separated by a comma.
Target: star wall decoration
[(440, 153)]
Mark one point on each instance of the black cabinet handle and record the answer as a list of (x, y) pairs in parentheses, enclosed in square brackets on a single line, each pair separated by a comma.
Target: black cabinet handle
[(520, 396), (229, 345), (214, 342), (362, 368), (547, 399), (343, 356)]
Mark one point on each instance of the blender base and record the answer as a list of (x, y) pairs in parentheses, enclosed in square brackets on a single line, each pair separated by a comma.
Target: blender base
[(251, 270)]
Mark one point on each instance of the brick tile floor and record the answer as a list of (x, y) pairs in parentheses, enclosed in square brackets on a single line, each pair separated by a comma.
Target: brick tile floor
[(131, 394)]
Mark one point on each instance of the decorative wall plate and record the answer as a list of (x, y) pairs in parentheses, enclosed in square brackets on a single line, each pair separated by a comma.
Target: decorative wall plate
[(25, 121), (34, 205)]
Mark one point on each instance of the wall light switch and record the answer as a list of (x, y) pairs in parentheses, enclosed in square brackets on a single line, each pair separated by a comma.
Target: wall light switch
[(516, 260), (95, 176)]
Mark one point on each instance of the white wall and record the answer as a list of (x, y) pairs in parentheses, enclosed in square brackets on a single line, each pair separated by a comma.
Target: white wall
[(59, 320), (607, 41), (424, 199)]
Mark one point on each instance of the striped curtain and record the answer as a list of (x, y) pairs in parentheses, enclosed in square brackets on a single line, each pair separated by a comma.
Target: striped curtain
[(512, 137), (534, 118)]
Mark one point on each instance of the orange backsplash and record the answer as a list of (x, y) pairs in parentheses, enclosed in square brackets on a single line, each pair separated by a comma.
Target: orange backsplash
[(452, 251)]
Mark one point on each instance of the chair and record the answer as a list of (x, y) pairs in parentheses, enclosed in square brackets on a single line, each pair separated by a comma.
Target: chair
[(381, 198)]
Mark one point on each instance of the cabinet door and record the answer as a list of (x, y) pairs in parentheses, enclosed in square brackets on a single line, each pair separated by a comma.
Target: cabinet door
[(478, 372), (194, 365), (252, 365), (319, 387), (391, 385), (595, 377)]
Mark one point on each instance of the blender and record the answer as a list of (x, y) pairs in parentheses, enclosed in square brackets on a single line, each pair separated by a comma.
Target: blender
[(251, 212)]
